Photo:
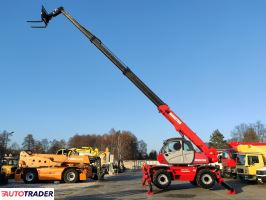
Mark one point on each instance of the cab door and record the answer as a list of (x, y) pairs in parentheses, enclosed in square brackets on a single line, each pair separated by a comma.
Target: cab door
[(179, 152), (254, 162), (188, 152), (173, 152)]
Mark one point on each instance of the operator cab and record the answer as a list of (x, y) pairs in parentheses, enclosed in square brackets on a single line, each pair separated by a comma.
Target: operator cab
[(178, 151)]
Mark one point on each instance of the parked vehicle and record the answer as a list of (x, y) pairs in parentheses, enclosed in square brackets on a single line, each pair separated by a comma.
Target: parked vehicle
[(9, 165), (251, 163), (100, 160), (229, 156), (52, 167), (261, 174)]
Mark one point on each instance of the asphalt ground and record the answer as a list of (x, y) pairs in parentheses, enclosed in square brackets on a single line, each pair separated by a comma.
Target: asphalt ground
[(128, 186)]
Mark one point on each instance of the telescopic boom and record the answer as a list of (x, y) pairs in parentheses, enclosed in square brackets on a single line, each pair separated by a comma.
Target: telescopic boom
[(179, 125)]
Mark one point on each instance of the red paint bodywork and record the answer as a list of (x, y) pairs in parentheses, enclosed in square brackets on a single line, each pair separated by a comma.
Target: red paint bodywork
[(184, 130), (181, 173), (184, 172)]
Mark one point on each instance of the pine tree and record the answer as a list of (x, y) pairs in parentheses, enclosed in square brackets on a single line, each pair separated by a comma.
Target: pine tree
[(217, 140), (28, 143)]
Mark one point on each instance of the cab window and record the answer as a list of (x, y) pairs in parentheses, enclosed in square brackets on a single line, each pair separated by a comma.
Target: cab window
[(225, 155), (240, 159), (65, 152), (187, 146), (252, 160), (5, 162), (172, 146), (233, 154), (59, 152)]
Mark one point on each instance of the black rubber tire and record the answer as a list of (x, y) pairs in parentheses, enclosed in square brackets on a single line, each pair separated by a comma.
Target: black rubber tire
[(94, 173), (194, 182), (161, 179), (205, 179), (30, 176), (3, 179), (94, 176), (242, 179), (223, 174), (234, 176), (71, 176)]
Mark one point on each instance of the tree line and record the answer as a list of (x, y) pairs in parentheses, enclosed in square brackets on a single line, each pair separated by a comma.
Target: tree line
[(122, 144), (253, 132)]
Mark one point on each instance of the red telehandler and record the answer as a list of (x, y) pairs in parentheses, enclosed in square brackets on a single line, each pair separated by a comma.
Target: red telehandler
[(178, 158)]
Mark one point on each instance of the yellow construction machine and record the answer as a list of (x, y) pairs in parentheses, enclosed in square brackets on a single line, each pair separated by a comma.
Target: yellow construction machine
[(9, 165), (52, 167), (100, 160)]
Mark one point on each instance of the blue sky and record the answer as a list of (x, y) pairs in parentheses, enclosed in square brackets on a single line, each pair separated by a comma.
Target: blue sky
[(205, 59)]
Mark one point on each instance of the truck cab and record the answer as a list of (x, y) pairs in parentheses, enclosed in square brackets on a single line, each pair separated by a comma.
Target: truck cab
[(247, 165), (228, 160)]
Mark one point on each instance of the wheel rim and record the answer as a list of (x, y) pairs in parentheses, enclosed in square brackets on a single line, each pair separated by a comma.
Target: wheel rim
[(206, 179), (71, 176), (163, 179), (29, 176)]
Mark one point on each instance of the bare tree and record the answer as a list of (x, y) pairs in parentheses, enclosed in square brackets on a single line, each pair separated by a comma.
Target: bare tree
[(122, 144), (238, 132), (38, 147), (45, 145), (142, 149), (250, 136), (260, 130), (4, 140), (14, 149), (56, 145)]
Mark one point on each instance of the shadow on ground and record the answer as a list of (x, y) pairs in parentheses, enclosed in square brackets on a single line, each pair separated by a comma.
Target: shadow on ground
[(110, 195), (236, 184)]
